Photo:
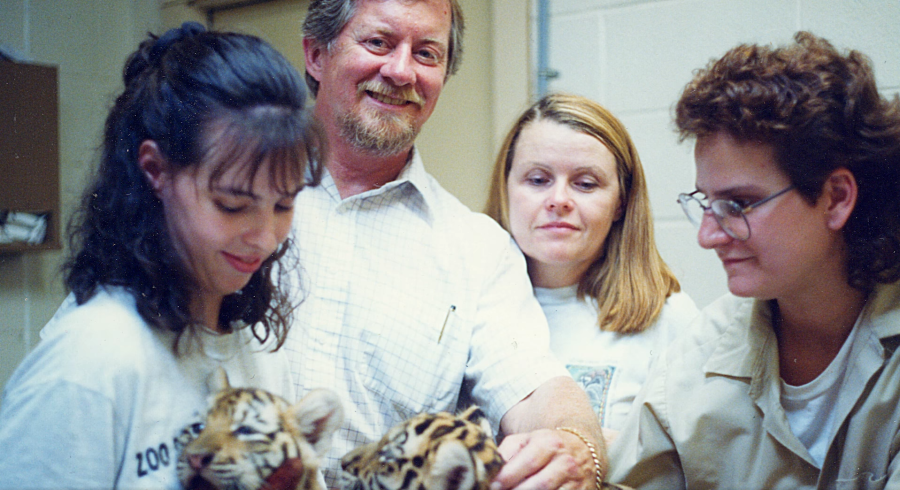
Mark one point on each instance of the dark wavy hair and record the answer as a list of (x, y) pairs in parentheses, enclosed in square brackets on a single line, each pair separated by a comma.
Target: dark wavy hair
[(819, 110), (177, 87), (326, 19)]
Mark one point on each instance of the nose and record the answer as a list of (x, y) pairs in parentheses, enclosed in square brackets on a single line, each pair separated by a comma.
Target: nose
[(710, 234), (199, 461), (559, 199), (265, 232), (399, 66)]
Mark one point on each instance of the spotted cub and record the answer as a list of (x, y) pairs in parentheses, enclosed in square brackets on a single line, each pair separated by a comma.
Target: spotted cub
[(430, 452), (427, 452)]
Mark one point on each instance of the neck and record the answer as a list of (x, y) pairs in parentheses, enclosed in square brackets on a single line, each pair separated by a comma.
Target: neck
[(205, 308), (811, 330), (356, 171), (553, 276)]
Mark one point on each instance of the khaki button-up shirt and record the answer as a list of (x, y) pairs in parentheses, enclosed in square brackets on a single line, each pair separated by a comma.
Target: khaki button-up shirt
[(710, 415)]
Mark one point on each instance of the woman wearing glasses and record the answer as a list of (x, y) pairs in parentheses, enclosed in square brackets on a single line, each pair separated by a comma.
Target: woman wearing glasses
[(569, 186), (793, 380)]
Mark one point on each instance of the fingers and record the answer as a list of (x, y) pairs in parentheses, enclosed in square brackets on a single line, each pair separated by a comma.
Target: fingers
[(545, 460), (512, 444), (524, 457)]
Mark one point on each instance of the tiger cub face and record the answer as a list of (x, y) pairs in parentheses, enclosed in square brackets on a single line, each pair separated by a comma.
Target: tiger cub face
[(427, 452), (248, 433)]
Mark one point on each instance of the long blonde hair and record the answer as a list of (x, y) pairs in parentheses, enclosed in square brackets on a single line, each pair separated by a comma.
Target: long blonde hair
[(629, 279)]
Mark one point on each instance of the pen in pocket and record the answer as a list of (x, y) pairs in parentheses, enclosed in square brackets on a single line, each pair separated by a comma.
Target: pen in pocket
[(451, 310)]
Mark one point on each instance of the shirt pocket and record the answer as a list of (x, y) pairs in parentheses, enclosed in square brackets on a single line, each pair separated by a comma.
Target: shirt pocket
[(414, 366)]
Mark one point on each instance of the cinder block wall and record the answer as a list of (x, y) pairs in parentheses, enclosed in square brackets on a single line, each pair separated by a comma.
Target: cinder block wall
[(635, 57)]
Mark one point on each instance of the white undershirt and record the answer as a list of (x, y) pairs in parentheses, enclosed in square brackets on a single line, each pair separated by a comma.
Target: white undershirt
[(811, 408), (610, 366)]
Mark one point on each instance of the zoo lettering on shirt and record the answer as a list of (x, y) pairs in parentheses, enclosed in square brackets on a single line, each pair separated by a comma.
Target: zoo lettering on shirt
[(162, 455)]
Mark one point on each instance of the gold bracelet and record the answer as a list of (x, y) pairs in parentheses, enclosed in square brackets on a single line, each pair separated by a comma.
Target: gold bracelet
[(597, 468)]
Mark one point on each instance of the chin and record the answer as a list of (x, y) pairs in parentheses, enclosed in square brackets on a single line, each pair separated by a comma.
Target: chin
[(745, 288)]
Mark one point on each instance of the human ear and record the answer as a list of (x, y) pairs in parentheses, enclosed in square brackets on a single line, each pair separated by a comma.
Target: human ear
[(154, 165), (841, 191), (313, 52)]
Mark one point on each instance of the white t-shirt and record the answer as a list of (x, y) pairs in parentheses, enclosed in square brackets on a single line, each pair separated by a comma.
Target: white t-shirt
[(811, 408), (610, 366), (101, 399)]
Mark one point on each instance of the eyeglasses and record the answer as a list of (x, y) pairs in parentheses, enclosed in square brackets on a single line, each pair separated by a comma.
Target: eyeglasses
[(731, 216)]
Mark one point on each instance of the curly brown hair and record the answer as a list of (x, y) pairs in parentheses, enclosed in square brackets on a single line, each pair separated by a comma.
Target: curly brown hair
[(820, 110)]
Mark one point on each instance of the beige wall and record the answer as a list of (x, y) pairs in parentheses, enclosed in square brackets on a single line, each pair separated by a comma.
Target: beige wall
[(89, 40)]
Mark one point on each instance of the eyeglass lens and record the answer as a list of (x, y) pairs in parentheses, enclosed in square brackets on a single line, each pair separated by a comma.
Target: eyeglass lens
[(727, 213)]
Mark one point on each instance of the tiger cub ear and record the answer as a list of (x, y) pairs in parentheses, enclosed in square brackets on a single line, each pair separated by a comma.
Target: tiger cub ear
[(452, 468), (218, 380), (318, 415), (476, 415)]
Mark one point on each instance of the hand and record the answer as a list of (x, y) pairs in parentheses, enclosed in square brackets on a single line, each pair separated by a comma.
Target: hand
[(545, 459), (286, 477)]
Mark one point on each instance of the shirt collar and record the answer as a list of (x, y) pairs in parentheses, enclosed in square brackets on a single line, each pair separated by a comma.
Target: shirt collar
[(748, 339), (413, 181), (413, 174), (883, 310), (745, 340)]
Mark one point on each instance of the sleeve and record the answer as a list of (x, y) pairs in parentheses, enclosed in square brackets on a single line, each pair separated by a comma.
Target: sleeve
[(643, 455), (57, 435), (510, 354)]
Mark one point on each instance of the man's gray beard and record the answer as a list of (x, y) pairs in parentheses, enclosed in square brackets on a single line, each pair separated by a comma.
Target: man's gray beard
[(387, 135)]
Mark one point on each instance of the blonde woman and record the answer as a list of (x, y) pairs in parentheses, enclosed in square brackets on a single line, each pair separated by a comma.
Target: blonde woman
[(569, 186)]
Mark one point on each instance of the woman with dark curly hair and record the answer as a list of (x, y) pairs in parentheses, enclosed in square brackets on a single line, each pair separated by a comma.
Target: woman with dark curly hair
[(791, 380), (174, 266)]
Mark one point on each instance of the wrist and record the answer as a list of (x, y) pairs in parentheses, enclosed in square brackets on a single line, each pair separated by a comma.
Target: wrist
[(598, 469)]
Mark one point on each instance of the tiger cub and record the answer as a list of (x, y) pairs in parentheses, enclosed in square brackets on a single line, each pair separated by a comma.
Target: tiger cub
[(248, 433), (430, 452), (427, 452)]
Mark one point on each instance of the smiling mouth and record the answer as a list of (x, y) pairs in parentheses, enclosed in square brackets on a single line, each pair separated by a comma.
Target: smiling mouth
[(390, 95), (387, 99), (242, 265)]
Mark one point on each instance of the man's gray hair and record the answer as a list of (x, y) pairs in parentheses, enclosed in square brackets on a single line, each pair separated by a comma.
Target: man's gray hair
[(327, 18)]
